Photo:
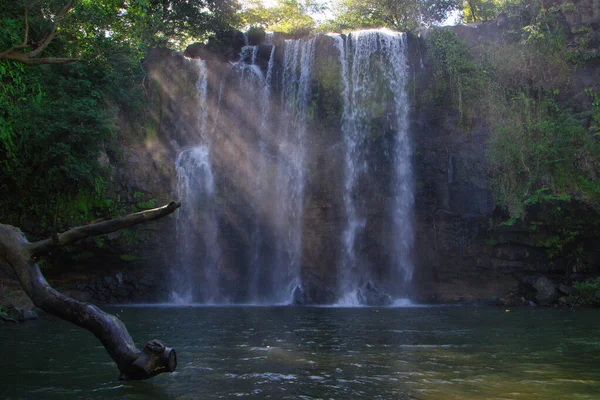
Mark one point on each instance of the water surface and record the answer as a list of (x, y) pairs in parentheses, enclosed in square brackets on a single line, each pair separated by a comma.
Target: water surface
[(318, 353)]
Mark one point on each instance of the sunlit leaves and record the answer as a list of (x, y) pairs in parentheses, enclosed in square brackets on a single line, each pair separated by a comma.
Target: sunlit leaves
[(288, 16), (401, 15)]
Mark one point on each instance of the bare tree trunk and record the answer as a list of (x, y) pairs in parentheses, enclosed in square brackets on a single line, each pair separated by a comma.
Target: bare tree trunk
[(21, 255)]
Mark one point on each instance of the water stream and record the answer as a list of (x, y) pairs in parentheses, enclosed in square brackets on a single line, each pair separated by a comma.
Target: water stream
[(197, 227), (374, 74)]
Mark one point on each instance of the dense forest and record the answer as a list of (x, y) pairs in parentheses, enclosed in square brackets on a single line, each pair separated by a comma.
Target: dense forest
[(75, 94)]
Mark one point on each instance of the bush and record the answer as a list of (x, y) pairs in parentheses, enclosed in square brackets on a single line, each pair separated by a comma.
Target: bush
[(461, 81), (588, 292), (544, 153)]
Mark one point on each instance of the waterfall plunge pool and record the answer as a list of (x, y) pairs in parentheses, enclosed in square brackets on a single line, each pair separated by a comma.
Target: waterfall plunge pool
[(420, 353)]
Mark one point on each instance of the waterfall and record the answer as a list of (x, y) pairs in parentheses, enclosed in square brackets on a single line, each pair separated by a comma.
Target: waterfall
[(255, 160), (196, 276), (257, 264), (374, 75), (280, 171), (290, 182)]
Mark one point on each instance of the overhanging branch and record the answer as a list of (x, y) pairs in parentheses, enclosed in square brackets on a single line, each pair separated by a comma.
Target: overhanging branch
[(15, 249), (100, 228), (18, 54)]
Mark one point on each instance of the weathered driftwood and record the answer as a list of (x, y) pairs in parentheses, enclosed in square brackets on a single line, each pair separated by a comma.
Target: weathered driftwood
[(21, 255)]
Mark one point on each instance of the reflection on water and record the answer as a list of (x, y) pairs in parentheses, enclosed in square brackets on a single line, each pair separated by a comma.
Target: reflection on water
[(319, 353)]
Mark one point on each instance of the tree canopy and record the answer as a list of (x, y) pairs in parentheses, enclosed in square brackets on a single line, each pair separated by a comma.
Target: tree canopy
[(401, 15), (288, 16), (59, 31), (68, 70)]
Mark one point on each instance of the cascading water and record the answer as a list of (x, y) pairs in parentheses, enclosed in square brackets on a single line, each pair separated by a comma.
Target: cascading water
[(262, 146), (297, 69), (196, 277), (374, 75), (274, 264), (261, 89)]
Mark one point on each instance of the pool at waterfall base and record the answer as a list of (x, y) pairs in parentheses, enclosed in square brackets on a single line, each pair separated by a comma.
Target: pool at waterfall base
[(421, 353)]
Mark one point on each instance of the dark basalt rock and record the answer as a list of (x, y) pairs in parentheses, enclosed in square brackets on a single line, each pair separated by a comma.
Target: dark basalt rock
[(299, 297), (20, 314), (372, 295), (199, 50), (546, 293)]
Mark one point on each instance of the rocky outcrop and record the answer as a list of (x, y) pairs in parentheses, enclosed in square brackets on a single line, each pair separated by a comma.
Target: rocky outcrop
[(20, 314), (546, 293), (372, 295)]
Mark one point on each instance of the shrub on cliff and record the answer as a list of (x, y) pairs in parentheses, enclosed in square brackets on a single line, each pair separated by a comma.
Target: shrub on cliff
[(588, 292)]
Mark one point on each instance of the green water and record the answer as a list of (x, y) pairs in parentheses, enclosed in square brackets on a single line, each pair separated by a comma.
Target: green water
[(319, 353)]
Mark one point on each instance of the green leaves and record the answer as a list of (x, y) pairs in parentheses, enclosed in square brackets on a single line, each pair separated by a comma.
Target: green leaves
[(544, 154), (54, 123), (17, 90), (459, 79), (588, 292), (405, 15), (288, 16)]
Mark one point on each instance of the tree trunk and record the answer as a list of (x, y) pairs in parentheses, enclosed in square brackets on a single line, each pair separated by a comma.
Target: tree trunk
[(20, 254)]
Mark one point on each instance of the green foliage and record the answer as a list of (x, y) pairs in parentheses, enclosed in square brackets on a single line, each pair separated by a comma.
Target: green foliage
[(401, 15), (287, 16), (177, 23), (145, 205), (130, 236), (558, 244), (521, 12), (58, 121), (544, 153), (490, 242), (52, 136), (96, 28), (481, 10), (459, 79), (17, 90), (327, 93), (128, 257), (588, 292), (593, 114), (3, 313)]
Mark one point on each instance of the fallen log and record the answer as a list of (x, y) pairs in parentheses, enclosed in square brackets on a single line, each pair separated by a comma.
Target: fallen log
[(21, 256)]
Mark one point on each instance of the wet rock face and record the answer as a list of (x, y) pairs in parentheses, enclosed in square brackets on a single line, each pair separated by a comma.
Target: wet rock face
[(20, 314), (299, 297), (371, 295), (121, 288), (546, 293)]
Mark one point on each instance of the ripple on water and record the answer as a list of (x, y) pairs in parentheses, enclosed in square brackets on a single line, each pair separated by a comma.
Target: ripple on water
[(425, 354)]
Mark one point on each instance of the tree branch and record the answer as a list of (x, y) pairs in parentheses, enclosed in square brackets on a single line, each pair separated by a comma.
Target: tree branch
[(57, 21), (100, 228), (16, 54), (133, 363), (26, 33), (23, 58)]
